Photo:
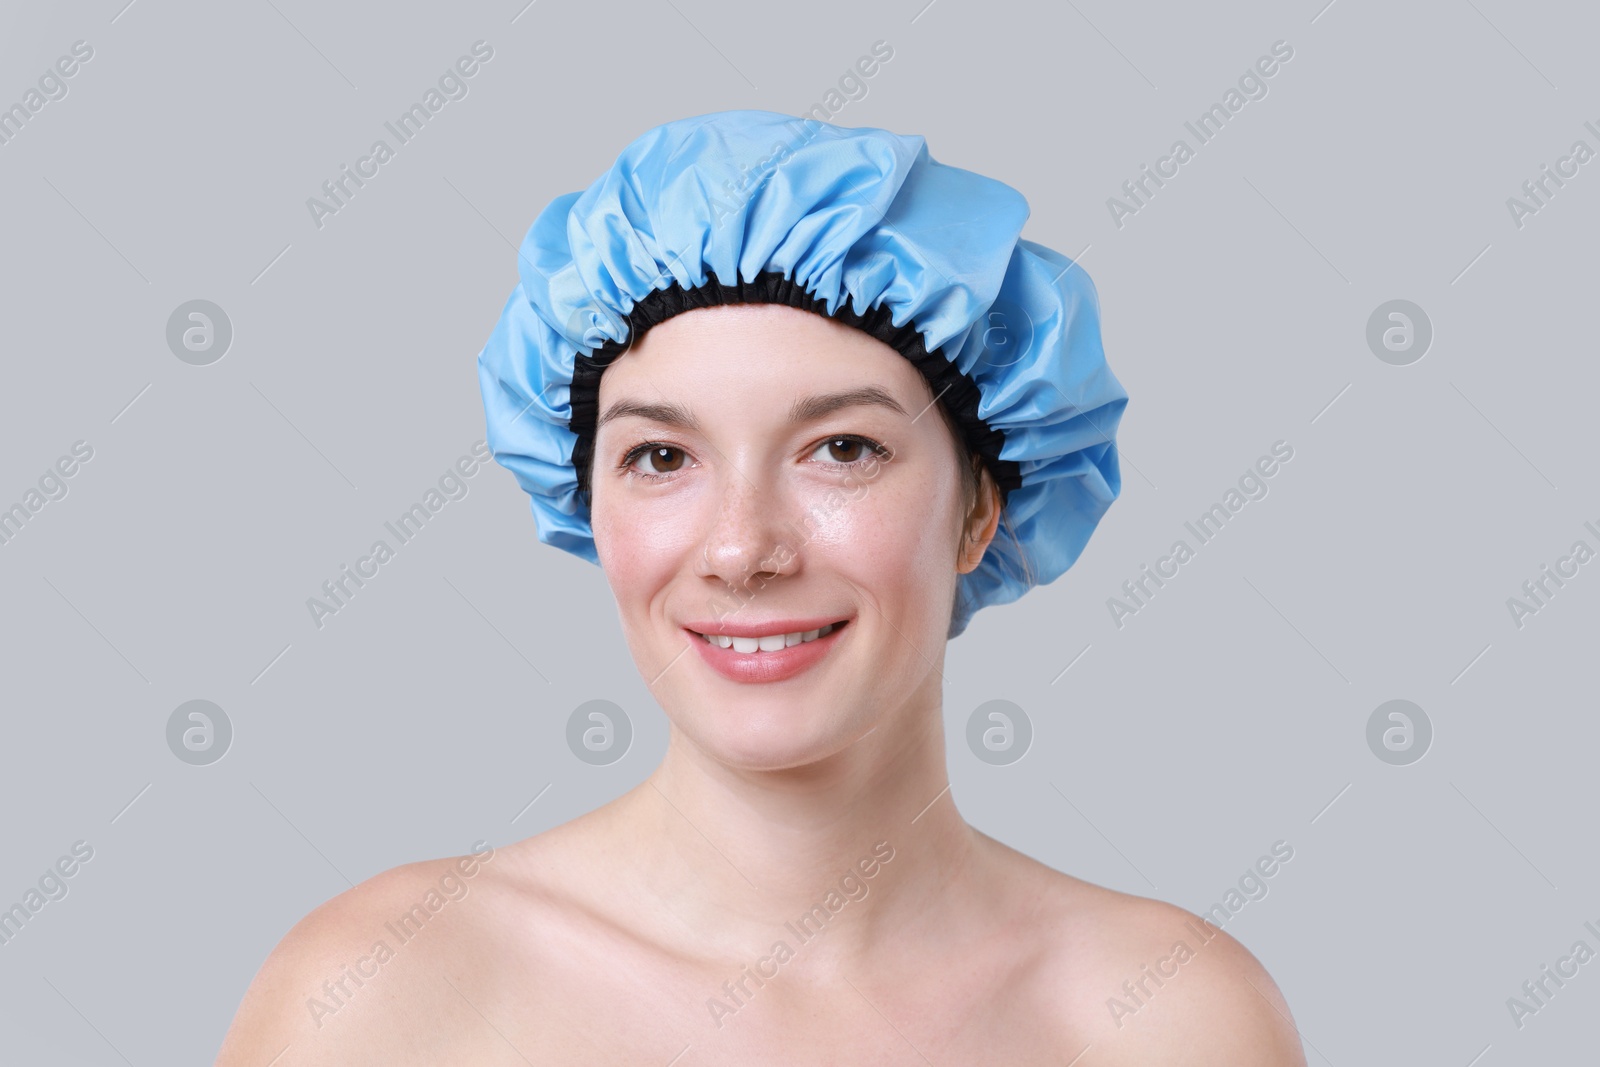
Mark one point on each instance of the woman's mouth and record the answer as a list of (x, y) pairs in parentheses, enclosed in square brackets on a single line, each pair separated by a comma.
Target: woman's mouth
[(770, 643), (768, 657)]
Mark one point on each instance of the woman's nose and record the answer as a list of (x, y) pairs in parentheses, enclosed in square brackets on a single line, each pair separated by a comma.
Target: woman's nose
[(751, 535)]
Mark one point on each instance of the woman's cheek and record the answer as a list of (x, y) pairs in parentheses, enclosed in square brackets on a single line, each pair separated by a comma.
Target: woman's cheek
[(922, 521), (878, 532), (639, 544), (844, 519)]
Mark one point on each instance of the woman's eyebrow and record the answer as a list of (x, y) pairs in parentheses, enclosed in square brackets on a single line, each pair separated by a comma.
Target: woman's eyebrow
[(815, 407), (666, 414), (807, 409)]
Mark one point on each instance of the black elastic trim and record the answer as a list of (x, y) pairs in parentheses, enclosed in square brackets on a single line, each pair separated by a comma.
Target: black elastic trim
[(955, 390)]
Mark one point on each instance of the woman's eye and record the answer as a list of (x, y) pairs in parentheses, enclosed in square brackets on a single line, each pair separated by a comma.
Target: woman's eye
[(655, 462), (848, 449), (660, 459)]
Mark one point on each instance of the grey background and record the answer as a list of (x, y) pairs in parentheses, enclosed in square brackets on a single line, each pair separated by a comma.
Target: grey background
[(1228, 714)]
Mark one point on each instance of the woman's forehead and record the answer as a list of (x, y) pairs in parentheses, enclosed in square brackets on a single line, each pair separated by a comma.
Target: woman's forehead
[(770, 324), (759, 351)]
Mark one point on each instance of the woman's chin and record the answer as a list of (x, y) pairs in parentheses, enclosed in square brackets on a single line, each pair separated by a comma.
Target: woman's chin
[(763, 741)]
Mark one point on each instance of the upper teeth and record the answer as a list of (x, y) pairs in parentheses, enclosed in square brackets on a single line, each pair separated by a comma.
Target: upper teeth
[(769, 643)]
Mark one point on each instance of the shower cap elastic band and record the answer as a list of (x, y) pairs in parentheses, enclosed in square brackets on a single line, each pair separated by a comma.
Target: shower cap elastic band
[(862, 225)]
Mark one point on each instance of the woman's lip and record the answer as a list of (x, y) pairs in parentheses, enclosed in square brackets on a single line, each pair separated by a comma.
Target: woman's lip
[(766, 666), (735, 628)]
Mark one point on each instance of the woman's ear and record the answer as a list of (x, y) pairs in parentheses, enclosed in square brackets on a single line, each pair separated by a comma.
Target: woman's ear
[(981, 523)]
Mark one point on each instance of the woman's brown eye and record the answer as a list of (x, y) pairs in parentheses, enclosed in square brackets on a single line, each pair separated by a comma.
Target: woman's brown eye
[(656, 460), (848, 445)]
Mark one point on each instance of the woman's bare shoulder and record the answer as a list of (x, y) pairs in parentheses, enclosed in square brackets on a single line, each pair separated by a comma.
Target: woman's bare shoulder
[(1144, 981), (346, 982)]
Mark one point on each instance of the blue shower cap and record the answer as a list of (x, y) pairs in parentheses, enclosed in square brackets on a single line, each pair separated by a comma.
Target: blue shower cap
[(862, 225)]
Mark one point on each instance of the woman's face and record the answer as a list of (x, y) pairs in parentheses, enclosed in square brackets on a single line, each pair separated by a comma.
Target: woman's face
[(762, 470)]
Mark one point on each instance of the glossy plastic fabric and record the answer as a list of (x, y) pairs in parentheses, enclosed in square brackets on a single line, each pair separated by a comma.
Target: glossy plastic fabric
[(863, 213)]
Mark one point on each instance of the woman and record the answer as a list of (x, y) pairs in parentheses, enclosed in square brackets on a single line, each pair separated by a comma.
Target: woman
[(715, 381)]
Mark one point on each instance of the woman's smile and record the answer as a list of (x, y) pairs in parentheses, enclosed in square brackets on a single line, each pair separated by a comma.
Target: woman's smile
[(765, 652)]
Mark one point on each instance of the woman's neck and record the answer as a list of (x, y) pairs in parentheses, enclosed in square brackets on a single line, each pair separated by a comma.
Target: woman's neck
[(865, 842)]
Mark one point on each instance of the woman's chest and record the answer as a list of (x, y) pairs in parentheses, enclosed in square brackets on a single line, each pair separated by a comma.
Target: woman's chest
[(778, 1011)]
